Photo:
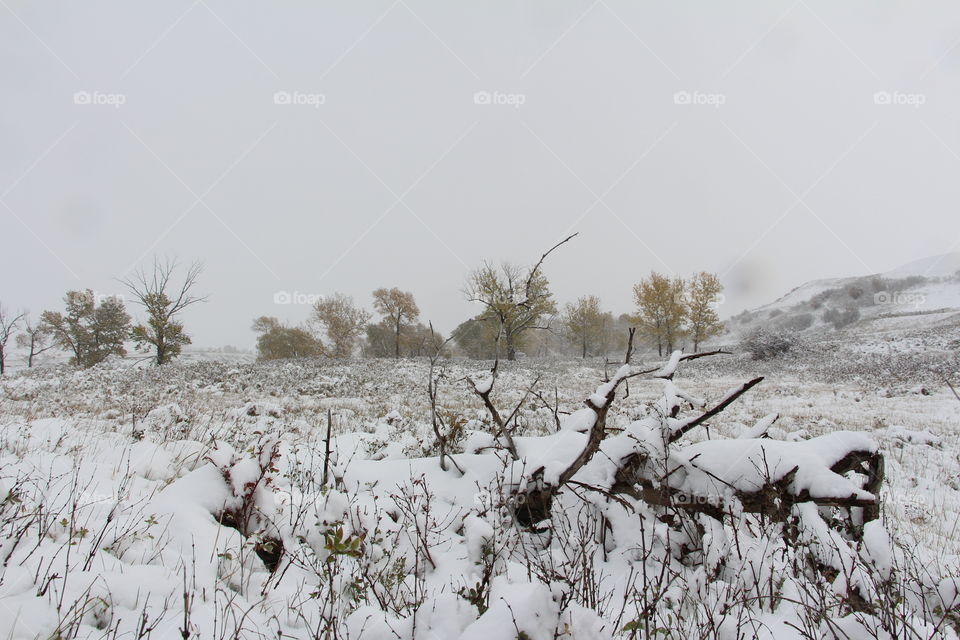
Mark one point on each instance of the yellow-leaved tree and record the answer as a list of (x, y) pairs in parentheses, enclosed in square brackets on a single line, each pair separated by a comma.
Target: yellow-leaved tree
[(586, 324), (661, 310), (703, 296)]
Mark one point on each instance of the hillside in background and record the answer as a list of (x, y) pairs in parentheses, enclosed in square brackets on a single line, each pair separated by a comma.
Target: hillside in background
[(913, 307)]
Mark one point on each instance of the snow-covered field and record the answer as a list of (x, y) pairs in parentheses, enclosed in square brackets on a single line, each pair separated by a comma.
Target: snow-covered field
[(190, 501)]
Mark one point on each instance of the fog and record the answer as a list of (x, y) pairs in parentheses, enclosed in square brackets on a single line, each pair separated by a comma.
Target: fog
[(307, 148)]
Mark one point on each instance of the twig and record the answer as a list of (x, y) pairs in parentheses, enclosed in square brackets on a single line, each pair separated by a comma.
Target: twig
[(326, 448)]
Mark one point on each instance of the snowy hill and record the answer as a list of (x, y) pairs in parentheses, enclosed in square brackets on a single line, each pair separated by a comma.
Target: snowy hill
[(805, 292), (919, 300), (934, 270), (945, 265)]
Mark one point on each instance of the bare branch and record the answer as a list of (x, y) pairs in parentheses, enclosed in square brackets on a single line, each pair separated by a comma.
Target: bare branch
[(433, 391), (536, 267), (726, 402)]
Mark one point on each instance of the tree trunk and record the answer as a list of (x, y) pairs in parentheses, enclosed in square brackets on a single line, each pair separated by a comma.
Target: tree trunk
[(396, 353), (511, 348)]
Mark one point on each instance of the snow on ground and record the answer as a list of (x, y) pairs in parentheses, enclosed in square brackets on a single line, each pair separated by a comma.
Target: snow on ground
[(803, 293), (123, 510), (898, 323)]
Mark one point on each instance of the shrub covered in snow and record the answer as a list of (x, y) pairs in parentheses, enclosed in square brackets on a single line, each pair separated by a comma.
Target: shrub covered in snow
[(841, 318), (765, 344)]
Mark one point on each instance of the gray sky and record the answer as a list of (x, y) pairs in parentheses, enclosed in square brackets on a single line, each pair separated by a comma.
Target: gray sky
[(783, 166)]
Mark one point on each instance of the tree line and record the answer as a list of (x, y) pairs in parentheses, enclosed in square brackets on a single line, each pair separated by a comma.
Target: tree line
[(91, 329), (518, 315)]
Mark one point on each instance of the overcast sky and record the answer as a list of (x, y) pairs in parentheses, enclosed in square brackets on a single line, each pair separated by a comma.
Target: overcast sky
[(411, 140)]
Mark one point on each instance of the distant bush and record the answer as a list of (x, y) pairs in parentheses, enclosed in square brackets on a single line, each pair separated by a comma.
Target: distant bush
[(817, 301), (856, 293), (881, 285), (797, 322), (840, 319), (765, 344), (278, 341)]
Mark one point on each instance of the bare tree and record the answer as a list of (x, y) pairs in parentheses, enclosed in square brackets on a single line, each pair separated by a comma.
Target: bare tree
[(35, 339), (516, 298), (163, 301), (8, 324), (398, 308)]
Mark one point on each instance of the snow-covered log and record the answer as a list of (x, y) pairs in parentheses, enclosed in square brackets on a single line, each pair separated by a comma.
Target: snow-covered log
[(649, 461)]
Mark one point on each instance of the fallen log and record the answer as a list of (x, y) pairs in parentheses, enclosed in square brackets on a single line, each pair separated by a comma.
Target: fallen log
[(765, 477)]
